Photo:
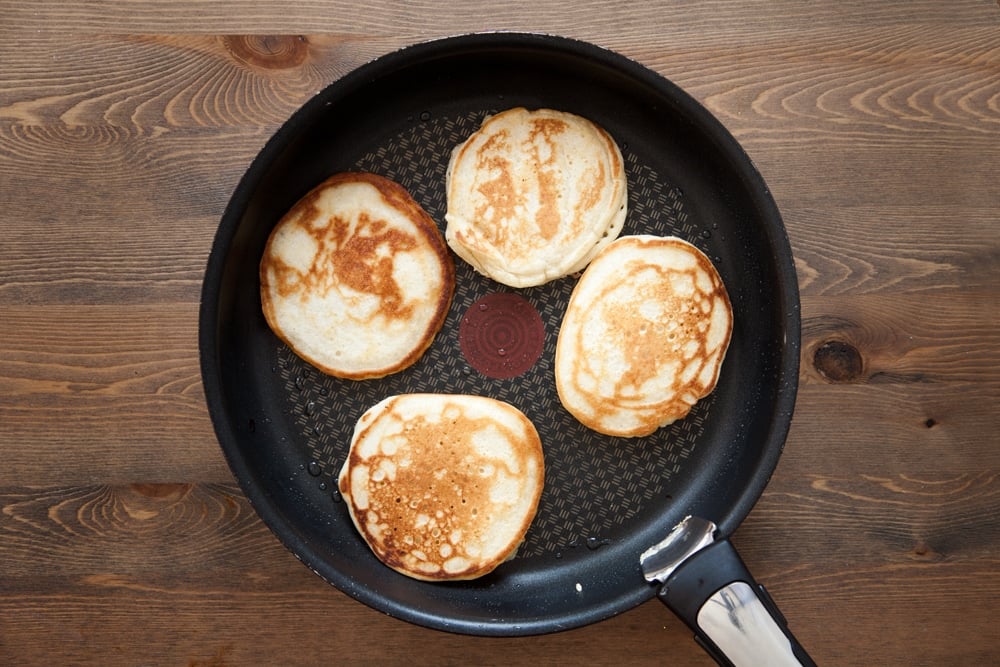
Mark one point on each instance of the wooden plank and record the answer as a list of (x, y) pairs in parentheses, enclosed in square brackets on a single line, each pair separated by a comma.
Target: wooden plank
[(77, 260), (862, 427), (314, 626), (926, 81), (587, 17), (886, 549), (149, 85), (164, 558), (122, 350), (119, 384), (869, 250), (891, 428), (115, 351), (892, 249), (904, 520), (906, 338), (126, 379)]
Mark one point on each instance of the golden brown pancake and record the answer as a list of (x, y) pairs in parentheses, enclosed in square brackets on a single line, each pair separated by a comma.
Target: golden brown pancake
[(533, 195), (643, 337), (443, 487), (356, 277)]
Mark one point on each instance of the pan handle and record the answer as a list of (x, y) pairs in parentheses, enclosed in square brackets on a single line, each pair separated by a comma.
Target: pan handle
[(733, 617)]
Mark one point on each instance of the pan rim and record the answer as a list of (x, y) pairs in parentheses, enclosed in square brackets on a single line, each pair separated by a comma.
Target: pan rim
[(222, 245)]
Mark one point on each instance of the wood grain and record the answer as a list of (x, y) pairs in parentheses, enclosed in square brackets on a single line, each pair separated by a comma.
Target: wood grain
[(153, 528), (893, 546), (124, 129), (160, 556), (911, 338), (183, 142), (126, 379), (690, 20), (118, 384), (894, 249)]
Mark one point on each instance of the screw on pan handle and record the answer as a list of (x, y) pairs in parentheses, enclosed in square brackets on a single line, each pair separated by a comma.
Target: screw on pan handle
[(733, 617)]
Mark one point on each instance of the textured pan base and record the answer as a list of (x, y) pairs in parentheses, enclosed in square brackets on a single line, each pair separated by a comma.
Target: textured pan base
[(592, 487)]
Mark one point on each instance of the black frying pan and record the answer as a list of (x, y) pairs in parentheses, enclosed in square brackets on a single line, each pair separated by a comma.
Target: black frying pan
[(285, 427)]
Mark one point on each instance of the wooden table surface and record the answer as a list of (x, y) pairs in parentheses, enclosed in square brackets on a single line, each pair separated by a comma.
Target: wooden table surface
[(124, 128)]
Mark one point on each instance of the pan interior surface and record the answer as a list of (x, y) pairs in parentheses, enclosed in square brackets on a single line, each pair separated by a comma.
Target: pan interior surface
[(285, 427)]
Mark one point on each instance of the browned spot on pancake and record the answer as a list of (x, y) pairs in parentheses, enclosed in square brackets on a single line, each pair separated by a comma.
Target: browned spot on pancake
[(669, 356), (437, 499), (501, 195), (285, 278), (547, 127), (495, 142), (361, 260), (364, 262), (502, 199), (344, 261), (441, 476), (651, 345), (504, 196), (591, 187), (548, 218)]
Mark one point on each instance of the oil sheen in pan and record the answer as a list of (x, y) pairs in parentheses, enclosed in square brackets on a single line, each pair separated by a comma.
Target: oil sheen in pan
[(593, 484)]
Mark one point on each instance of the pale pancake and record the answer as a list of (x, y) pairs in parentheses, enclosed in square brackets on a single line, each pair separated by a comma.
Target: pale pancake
[(443, 487), (533, 195), (356, 277), (643, 337)]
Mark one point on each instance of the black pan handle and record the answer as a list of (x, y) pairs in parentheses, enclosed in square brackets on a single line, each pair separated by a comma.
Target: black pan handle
[(733, 617)]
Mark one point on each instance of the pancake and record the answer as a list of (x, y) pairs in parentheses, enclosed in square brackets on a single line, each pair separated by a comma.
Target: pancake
[(443, 487), (534, 195), (356, 278), (644, 336)]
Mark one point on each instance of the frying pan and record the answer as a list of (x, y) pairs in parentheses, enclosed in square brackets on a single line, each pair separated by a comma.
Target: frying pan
[(285, 428)]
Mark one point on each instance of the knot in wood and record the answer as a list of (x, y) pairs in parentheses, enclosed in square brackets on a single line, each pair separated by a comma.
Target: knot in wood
[(838, 361), (922, 552), (268, 51)]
